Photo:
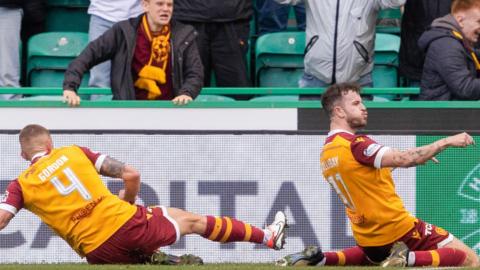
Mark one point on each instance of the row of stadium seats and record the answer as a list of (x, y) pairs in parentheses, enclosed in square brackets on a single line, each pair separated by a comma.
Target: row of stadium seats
[(278, 58), (70, 17)]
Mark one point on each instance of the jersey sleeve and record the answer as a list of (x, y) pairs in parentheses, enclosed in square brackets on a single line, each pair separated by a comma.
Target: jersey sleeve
[(368, 152), (95, 157), (12, 200)]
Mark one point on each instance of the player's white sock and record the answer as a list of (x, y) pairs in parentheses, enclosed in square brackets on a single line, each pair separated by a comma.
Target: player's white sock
[(411, 258)]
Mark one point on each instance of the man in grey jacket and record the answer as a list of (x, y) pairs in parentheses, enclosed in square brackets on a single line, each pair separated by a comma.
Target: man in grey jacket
[(340, 40)]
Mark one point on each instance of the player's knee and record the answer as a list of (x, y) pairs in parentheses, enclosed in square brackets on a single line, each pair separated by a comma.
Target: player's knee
[(199, 224), (192, 223), (471, 260), (476, 261)]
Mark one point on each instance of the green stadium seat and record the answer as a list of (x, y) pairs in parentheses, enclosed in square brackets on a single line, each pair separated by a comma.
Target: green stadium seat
[(385, 71), (393, 14), (279, 59), (274, 98), (67, 15), (49, 55), (217, 98)]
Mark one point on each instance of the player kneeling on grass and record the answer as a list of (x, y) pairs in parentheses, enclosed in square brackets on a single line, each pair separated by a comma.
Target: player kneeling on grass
[(359, 170), (63, 187)]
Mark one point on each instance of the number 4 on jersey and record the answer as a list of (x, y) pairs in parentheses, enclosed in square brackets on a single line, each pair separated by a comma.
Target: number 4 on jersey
[(76, 184)]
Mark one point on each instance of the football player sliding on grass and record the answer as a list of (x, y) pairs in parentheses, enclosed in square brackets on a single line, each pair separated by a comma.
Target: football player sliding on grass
[(63, 187), (359, 170)]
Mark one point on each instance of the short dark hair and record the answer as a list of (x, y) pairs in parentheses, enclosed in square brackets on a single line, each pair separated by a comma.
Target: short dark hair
[(32, 131), (335, 92), (462, 5)]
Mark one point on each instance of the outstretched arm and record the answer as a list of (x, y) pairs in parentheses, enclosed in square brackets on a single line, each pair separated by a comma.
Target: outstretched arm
[(5, 218), (130, 176), (420, 155)]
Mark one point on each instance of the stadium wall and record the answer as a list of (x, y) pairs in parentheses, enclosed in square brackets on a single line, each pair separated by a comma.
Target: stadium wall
[(247, 168)]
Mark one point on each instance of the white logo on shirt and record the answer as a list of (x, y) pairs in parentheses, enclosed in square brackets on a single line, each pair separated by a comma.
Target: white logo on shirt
[(371, 149), (3, 197)]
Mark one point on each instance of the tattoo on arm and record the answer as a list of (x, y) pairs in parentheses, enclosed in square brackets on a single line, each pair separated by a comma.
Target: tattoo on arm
[(418, 155), (112, 168)]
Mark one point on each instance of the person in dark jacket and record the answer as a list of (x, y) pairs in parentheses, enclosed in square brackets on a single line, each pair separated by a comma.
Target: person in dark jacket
[(451, 70), (153, 58), (223, 30), (417, 17)]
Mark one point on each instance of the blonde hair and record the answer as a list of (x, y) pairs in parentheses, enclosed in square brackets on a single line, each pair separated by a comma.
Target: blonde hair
[(33, 136)]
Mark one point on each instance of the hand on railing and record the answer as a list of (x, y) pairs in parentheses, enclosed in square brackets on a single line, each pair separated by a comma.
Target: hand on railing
[(71, 97), (182, 100)]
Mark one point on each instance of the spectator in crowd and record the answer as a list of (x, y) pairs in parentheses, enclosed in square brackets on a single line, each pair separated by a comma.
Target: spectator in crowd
[(11, 13), (340, 40), (10, 22), (103, 15), (63, 187), (417, 17), (273, 17), (451, 70), (223, 30), (360, 171), (152, 58)]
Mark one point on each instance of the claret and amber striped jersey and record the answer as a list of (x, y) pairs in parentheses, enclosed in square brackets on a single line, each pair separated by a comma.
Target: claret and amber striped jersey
[(352, 166), (64, 189)]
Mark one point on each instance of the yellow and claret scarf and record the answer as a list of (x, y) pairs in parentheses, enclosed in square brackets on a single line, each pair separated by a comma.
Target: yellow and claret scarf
[(155, 70), (472, 53)]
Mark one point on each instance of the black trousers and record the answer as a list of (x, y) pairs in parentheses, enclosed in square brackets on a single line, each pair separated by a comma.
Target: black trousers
[(223, 47)]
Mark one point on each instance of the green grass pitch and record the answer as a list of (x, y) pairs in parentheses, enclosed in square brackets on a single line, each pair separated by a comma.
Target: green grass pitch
[(226, 266)]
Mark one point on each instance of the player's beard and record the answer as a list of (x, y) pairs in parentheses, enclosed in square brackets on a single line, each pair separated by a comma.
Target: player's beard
[(357, 122)]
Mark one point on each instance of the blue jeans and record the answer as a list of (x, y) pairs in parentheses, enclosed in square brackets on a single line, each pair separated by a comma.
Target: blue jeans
[(273, 17), (99, 74), (311, 81)]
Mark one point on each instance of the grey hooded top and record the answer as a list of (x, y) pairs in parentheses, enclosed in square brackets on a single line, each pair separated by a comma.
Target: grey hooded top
[(340, 37)]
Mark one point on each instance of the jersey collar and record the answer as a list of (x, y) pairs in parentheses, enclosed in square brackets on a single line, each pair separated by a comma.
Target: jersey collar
[(336, 131), (38, 155)]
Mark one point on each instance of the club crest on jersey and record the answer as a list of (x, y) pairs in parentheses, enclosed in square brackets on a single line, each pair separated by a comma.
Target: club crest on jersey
[(359, 140), (371, 149), (416, 235)]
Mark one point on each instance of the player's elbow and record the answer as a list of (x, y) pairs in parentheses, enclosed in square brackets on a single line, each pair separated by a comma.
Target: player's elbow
[(4, 219), (3, 225), (131, 174)]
